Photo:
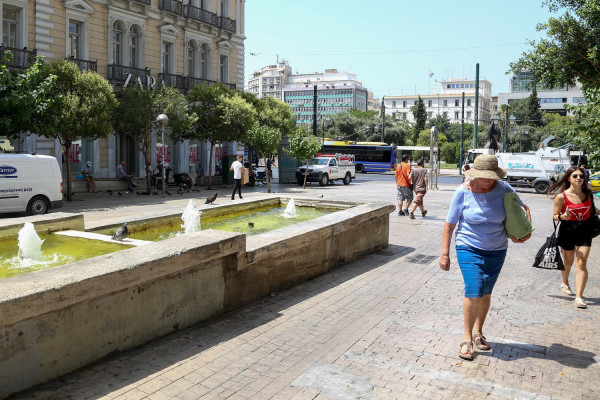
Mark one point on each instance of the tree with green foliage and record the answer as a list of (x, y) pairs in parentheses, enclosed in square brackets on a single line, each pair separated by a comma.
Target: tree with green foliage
[(82, 107), (420, 114), (303, 145), (569, 55), (274, 120), (224, 115), (135, 117), (571, 52), (24, 95), (265, 140), (440, 121)]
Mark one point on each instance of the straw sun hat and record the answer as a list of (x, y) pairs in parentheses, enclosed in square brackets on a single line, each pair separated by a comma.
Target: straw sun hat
[(486, 166)]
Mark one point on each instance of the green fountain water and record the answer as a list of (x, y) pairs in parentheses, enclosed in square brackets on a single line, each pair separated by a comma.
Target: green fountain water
[(56, 250), (253, 222)]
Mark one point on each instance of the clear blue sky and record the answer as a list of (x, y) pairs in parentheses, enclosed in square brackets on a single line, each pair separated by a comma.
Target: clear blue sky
[(391, 45)]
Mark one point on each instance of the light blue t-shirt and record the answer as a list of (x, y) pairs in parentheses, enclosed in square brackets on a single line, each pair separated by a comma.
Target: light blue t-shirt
[(480, 217)]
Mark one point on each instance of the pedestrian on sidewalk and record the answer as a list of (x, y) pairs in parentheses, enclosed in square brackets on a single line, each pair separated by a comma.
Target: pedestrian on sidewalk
[(405, 192), (419, 181), (122, 175), (88, 175), (237, 169), (573, 209), (481, 243)]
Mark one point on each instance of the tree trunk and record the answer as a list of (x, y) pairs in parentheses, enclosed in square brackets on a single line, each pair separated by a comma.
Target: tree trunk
[(67, 151), (305, 175), (210, 165)]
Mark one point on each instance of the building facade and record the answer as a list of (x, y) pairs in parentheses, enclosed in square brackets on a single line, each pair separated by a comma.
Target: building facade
[(270, 80), (177, 43), (336, 92), (551, 100), (448, 102)]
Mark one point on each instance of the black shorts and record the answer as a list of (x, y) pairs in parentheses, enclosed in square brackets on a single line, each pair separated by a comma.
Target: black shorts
[(574, 233)]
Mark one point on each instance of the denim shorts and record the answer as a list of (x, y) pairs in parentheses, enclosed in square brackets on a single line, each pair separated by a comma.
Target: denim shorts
[(480, 269)]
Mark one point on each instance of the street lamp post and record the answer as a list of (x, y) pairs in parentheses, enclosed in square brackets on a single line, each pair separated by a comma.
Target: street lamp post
[(163, 120)]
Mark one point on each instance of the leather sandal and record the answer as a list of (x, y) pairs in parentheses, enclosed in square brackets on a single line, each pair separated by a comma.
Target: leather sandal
[(566, 289), (469, 354), (580, 303), (481, 342)]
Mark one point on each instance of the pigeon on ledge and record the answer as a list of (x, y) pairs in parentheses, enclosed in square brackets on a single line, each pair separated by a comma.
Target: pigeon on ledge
[(210, 199), (121, 233)]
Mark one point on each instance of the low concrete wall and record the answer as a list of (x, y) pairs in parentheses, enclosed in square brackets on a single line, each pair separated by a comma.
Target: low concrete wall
[(54, 222), (60, 319)]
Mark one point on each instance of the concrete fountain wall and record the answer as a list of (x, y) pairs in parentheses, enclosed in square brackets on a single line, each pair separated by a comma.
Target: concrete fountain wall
[(57, 320)]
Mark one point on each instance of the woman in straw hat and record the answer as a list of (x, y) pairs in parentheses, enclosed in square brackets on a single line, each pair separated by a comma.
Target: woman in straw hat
[(573, 209), (481, 243)]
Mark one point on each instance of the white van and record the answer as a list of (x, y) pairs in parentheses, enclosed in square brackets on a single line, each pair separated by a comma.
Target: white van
[(29, 183)]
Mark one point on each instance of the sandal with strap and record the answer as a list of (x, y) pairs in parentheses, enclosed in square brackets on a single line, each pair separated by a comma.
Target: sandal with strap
[(566, 289), (469, 354), (580, 303), (481, 342)]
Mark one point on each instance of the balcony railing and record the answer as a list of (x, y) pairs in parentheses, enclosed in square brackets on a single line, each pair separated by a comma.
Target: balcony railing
[(199, 14), (173, 6), (21, 58), (85, 65), (143, 1), (226, 23), (120, 73), (172, 80), (185, 83)]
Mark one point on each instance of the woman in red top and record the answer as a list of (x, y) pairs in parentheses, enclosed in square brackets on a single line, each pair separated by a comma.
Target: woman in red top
[(573, 208)]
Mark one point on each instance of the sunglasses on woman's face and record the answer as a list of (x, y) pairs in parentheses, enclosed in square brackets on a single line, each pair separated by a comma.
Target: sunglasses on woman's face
[(577, 176)]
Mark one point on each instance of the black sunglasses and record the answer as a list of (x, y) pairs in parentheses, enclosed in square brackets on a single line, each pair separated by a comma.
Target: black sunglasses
[(577, 176)]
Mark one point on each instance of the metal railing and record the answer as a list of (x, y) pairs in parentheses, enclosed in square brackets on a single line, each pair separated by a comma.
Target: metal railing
[(173, 6), (199, 14), (120, 73), (21, 58), (85, 65), (172, 80), (143, 1), (226, 23), (185, 83)]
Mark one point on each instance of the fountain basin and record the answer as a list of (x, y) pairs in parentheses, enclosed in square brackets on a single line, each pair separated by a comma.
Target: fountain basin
[(60, 319)]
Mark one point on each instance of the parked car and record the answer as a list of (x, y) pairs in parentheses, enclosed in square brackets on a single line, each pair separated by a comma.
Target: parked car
[(29, 183), (595, 182)]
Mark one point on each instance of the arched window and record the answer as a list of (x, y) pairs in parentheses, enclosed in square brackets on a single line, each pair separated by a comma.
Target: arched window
[(204, 61), (135, 47), (192, 59), (117, 43)]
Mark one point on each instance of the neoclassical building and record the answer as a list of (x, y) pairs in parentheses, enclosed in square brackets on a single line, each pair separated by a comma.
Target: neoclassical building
[(180, 43)]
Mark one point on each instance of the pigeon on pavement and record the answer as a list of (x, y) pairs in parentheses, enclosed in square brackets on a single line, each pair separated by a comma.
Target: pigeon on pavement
[(210, 199)]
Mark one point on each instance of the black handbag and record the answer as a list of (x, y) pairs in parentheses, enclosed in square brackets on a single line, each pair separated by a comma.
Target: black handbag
[(548, 256), (594, 221)]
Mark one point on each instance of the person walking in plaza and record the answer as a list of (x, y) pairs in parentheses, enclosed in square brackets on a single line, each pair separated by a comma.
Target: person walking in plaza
[(419, 180), (88, 175), (477, 206), (199, 174), (405, 193), (121, 174), (573, 209), (237, 169)]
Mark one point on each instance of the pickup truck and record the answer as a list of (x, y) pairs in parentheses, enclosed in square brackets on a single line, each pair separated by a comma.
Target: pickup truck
[(327, 168)]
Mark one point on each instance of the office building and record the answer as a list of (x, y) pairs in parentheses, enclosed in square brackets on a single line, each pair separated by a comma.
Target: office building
[(270, 80), (336, 92), (551, 100)]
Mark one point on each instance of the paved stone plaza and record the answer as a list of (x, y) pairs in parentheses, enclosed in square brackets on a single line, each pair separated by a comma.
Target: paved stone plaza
[(385, 327)]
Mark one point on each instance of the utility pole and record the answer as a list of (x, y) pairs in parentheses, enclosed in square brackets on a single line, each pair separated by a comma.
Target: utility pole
[(382, 118), (315, 111), (462, 133), (476, 121)]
